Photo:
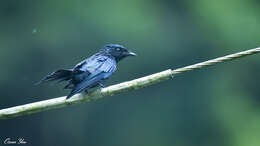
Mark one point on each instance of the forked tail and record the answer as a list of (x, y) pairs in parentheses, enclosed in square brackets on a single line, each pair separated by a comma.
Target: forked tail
[(59, 75)]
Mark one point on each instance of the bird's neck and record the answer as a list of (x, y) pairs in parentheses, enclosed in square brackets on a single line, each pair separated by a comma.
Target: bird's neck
[(105, 53)]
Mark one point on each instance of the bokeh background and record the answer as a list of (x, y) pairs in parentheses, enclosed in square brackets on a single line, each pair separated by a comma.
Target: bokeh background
[(219, 105)]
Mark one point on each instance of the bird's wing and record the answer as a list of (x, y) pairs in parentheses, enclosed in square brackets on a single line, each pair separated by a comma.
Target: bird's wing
[(79, 66), (90, 64), (101, 69)]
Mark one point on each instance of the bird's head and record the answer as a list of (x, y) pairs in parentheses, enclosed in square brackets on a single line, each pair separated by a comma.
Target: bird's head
[(118, 51)]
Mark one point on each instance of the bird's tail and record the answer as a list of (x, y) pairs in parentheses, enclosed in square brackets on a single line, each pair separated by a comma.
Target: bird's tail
[(59, 75)]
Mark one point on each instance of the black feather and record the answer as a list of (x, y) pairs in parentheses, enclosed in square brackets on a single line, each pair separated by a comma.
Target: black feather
[(91, 72), (61, 75)]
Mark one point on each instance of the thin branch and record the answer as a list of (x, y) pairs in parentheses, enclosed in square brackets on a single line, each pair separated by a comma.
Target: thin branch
[(114, 89)]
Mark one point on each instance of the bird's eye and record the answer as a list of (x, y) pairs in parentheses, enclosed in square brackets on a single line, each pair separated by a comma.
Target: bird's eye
[(118, 49)]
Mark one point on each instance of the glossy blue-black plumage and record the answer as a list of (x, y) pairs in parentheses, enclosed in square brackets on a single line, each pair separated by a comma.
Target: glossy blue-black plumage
[(92, 71)]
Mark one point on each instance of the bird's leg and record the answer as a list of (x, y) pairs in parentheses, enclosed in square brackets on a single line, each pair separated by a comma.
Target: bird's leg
[(101, 85)]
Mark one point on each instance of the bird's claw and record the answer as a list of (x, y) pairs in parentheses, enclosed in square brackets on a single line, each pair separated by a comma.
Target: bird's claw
[(101, 85)]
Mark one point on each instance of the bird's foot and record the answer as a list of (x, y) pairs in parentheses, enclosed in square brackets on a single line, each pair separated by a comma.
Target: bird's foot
[(101, 85)]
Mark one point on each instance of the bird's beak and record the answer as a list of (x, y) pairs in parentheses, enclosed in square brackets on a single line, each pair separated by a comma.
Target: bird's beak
[(129, 53)]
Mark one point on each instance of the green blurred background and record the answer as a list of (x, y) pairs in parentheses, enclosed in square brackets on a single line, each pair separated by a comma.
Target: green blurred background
[(213, 106)]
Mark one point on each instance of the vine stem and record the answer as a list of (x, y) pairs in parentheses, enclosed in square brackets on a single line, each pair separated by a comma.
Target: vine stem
[(114, 89)]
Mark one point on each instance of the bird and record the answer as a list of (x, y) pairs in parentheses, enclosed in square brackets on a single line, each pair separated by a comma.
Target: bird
[(91, 72)]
